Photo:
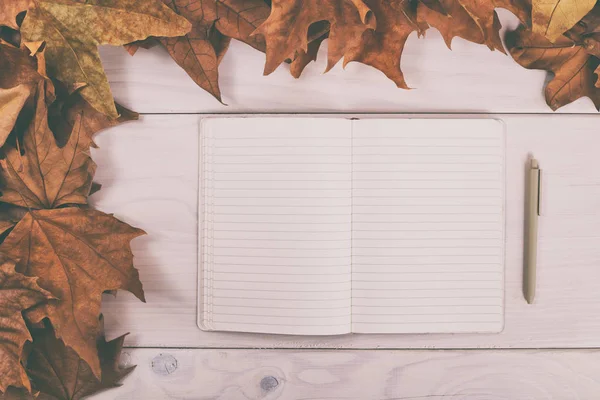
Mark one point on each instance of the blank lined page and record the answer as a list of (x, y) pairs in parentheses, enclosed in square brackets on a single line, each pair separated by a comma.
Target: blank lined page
[(275, 229), (428, 226)]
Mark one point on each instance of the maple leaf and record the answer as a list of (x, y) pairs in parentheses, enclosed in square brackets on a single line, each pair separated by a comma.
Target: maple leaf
[(17, 294), (68, 109), (60, 374), (10, 9), (73, 31), (11, 102), (77, 254), (39, 174), (214, 23), (286, 31), (22, 75), (551, 18), (572, 66)]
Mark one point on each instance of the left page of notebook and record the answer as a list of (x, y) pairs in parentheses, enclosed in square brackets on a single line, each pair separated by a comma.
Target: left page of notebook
[(275, 225)]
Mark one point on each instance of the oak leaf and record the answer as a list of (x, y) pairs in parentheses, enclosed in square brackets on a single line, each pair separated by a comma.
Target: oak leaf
[(551, 18), (73, 31), (573, 68), (286, 31), (472, 20), (77, 254), (17, 294), (383, 47), (303, 58), (58, 373), (36, 173)]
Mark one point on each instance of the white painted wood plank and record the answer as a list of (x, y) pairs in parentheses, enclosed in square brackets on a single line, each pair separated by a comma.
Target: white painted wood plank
[(470, 78), (149, 172), (359, 375)]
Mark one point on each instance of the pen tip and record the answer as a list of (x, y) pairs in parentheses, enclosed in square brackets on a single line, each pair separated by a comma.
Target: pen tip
[(534, 163)]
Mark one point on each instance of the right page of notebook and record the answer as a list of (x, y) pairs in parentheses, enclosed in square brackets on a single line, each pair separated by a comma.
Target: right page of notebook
[(428, 226)]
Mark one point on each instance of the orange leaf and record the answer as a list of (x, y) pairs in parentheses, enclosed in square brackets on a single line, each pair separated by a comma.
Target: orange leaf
[(573, 68), (17, 294), (78, 254), (286, 30)]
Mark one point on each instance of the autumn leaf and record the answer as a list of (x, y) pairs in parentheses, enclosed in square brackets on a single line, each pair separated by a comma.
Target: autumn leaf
[(11, 102), (472, 20), (197, 54), (60, 374), (17, 294), (77, 254), (303, 58), (20, 68), (551, 18), (39, 174), (382, 48), (66, 111), (10, 36), (456, 22), (73, 32), (17, 394), (573, 68), (484, 14), (214, 24), (286, 29), (10, 9)]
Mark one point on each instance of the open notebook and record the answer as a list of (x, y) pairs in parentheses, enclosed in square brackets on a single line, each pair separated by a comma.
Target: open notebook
[(322, 226)]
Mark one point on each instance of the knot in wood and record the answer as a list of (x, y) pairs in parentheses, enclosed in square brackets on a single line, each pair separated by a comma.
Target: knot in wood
[(268, 383), (164, 364)]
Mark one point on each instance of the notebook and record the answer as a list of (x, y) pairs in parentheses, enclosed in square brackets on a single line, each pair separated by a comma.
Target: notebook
[(327, 226)]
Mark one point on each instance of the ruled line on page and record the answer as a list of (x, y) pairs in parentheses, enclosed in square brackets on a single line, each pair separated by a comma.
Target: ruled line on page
[(280, 203), (459, 250)]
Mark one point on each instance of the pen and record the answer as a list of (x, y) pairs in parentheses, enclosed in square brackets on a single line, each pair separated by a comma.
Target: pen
[(531, 231)]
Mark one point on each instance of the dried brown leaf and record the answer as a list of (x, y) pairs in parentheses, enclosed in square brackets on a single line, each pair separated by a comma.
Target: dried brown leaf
[(573, 68), (214, 22), (60, 374), (382, 48), (10, 9), (77, 254), (11, 102), (73, 31), (17, 294), (287, 28), (36, 173), (551, 18), (472, 20), (64, 113), (303, 58)]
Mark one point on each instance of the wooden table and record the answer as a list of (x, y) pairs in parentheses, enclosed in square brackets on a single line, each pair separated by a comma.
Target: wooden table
[(149, 174)]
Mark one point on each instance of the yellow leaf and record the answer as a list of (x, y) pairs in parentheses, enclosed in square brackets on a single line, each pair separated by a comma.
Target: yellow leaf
[(552, 18), (73, 31)]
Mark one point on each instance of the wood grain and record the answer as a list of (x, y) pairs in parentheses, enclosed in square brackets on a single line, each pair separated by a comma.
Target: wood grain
[(149, 173), (359, 375), (470, 78)]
